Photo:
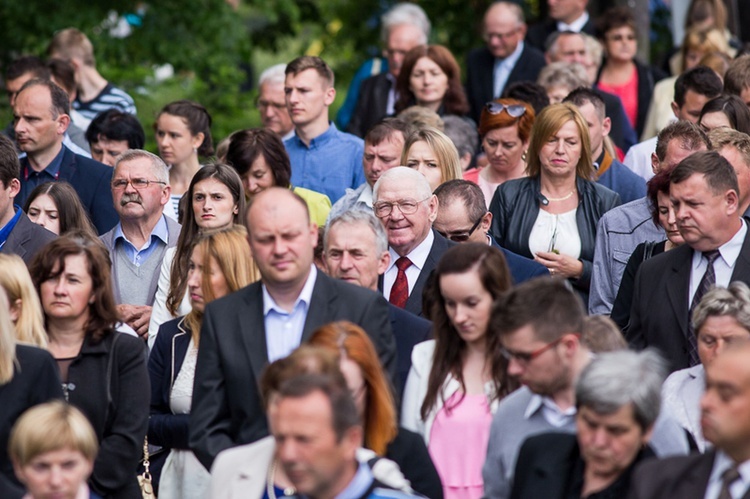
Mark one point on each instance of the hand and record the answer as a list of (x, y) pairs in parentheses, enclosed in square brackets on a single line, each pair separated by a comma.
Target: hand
[(560, 265), (136, 316)]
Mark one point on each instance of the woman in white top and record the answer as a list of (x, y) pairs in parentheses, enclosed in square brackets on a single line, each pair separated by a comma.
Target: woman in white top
[(183, 133), (457, 379), (216, 201)]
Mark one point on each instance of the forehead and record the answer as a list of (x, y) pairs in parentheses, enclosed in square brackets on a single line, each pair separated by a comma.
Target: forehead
[(723, 326), (452, 214), (392, 144), (588, 111), (676, 153), (571, 43), (308, 415), (276, 212), (17, 83), (403, 36), (694, 184), (422, 149), (520, 339), (394, 189), (37, 97), (351, 235), (211, 184), (731, 154), (731, 369), (270, 90), (136, 167), (305, 78), (623, 416), (568, 130), (499, 16), (424, 63)]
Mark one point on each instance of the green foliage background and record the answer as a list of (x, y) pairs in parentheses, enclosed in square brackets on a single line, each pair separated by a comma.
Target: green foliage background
[(218, 51)]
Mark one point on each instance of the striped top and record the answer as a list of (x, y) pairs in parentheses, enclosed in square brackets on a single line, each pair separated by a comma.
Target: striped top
[(110, 97)]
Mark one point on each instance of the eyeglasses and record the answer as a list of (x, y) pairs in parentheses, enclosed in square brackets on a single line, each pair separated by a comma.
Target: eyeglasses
[(502, 36), (525, 357), (462, 237), (405, 206), (619, 38), (137, 183), (513, 110), (265, 104)]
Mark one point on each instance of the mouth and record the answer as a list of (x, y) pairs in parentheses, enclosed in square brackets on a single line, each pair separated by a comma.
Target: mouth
[(195, 297)]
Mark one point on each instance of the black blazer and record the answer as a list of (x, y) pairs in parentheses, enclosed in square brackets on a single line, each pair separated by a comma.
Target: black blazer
[(414, 303), (521, 268), (372, 104), (549, 465), (408, 330), (227, 410), (539, 32), (35, 381), (91, 180), (623, 303), (683, 477), (659, 315), (26, 239), (480, 64), (409, 451)]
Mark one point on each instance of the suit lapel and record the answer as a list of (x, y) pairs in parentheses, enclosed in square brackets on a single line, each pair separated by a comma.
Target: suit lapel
[(488, 81), (68, 167), (319, 311), (695, 480), (678, 286), (742, 266), (253, 331)]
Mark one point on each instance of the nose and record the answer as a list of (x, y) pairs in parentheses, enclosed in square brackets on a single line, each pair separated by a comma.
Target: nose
[(346, 261), (279, 246), (460, 314), (560, 147), (514, 367), (672, 217), (600, 438), (108, 159), (55, 477), (396, 213), (706, 401), (194, 279), (60, 287)]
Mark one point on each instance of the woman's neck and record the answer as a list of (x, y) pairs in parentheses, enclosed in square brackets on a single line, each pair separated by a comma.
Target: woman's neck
[(557, 186), (180, 174), (618, 69), (494, 176), (432, 106), (66, 336)]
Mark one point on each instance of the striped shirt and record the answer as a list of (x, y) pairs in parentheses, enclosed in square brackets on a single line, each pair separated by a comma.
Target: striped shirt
[(110, 97)]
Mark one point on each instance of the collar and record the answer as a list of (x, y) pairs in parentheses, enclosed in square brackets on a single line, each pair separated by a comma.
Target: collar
[(321, 139), (537, 402), (359, 485), (510, 61), (52, 169), (305, 295), (723, 462), (603, 162), (366, 195), (576, 25), (8, 228), (289, 135), (159, 231), (418, 255), (730, 250)]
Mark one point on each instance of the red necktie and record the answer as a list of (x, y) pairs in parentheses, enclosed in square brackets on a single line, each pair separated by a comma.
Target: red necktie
[(400, 289)]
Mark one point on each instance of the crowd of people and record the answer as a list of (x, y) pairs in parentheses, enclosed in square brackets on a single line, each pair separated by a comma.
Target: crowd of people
[(530, 282)]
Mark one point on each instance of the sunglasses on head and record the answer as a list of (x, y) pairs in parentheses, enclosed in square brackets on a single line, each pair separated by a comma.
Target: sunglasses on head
[(514, 110)]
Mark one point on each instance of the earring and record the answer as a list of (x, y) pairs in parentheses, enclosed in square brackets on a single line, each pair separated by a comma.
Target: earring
[(523, 156)]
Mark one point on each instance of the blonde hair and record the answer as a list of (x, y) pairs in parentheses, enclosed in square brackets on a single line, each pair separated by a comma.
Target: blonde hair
[(230, 250), (442, 147), (7, 342), (49, 427), (70, 43), (15, 279), (549, 122)]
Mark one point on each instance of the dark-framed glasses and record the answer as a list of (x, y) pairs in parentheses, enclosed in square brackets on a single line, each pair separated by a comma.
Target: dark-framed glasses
[(405, 206), (137, 183), (524, 358), (513, 110), (462, 237)]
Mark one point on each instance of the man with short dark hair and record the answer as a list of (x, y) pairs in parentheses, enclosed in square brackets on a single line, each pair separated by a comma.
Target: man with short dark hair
[(704, 193), (20, 71), (504, 60), (268, 319), (18, 235), (610, 172), (323, 159), (112, 133), (621, 229), (41, 118), (463, 217)]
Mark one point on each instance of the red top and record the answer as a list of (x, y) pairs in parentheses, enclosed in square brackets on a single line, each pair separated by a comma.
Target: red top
[(628, 94)]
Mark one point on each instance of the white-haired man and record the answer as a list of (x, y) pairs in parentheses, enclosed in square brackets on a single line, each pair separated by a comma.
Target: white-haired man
[(272, 103)]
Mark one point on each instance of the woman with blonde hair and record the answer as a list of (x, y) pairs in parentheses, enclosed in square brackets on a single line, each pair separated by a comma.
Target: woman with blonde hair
[(23, 301), (369, 385), (433, 154), (220, 263), (552, 214), (28, 376)]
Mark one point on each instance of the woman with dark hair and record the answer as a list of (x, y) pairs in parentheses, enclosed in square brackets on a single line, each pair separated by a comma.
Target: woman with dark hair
[(457, 379), (215, 201), (552, 214), (372, 394), (103, 372), (505, 129), (663, 215), (260, 158), (57, 207), (183, 133), (220, 263), (621, 74), (430, 77), (725, 111)]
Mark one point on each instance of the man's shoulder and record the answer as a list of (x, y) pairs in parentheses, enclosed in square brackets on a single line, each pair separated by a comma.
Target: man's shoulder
[(478, 58), (382, 491), (669, 468), (349, 139), (514, 405), (375, 80), (234, 303), (625, 218), (87, 165), (532, 55)]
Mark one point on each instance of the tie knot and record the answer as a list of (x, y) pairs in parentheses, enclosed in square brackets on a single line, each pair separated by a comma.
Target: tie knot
[(403, 263), (730, 475), (711, 255)]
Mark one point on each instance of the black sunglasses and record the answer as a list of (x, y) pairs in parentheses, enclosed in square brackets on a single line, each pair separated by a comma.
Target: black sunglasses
[(462, 237), (514, 110)]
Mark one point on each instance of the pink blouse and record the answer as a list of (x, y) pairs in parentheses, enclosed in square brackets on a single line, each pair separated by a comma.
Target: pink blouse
[(628, 94), (458, 445)]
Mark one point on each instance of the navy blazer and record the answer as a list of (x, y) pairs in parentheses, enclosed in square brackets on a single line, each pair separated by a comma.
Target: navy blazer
[(521, 268), (91, 181), (480, 65), (408, 330), (26, 239), (621, 179)]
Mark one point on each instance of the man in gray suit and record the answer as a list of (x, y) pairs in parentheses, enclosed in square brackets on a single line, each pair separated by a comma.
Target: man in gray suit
[(243, 332), (137, 244)]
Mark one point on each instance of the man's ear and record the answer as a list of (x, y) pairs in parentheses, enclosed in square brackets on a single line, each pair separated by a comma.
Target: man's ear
[(655, 166), (675, 109)]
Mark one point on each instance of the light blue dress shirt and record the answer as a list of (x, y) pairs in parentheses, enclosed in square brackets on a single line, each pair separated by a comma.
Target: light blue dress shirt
[(138, 256), (503, 68)]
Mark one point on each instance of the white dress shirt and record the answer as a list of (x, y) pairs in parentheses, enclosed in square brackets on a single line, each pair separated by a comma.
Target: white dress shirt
[(576, 25), (723, 266), (721, 464), (418, 257)]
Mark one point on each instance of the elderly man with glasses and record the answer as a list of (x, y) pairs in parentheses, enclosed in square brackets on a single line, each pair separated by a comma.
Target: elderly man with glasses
[(540, 324), (405, 205), (463, 217)]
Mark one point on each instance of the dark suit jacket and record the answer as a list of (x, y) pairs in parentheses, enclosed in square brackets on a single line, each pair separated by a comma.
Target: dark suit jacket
[(26, 239), (227, 409), (521, 268), (371, 104), (439, 246), (659, 314), (480, 64), (91, 180), (539, 32), (408, 330), (682, 477), (550, 466)]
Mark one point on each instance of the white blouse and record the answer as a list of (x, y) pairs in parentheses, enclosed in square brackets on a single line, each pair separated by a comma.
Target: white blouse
[(556, 232)]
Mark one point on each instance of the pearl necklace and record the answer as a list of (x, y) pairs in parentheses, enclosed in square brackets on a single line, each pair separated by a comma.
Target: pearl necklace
[(289, 491), (567, 196)]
